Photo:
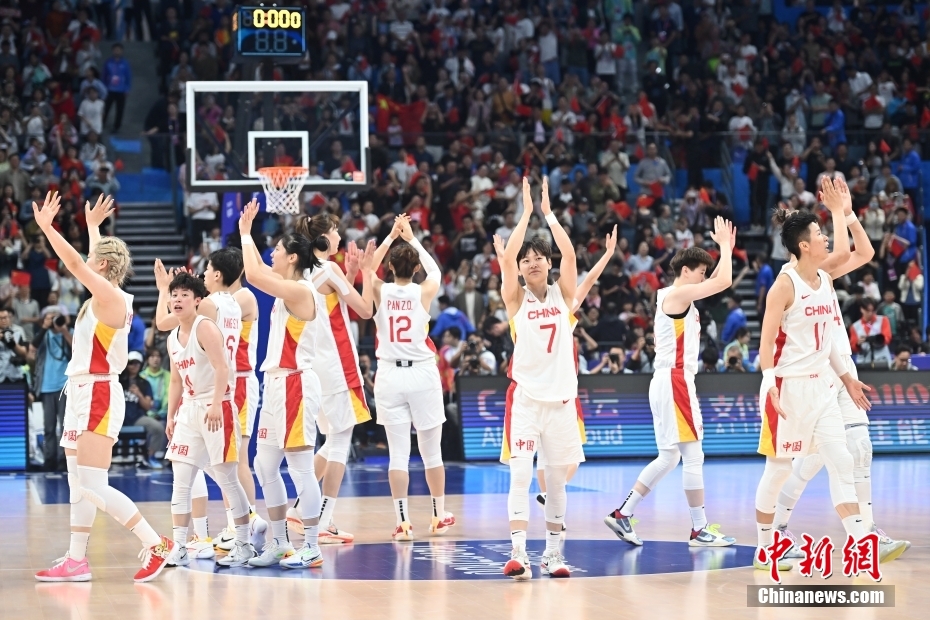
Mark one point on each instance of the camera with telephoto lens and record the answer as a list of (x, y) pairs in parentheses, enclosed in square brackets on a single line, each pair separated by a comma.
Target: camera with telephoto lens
[(60, 321), (872, 342), (7, 337)]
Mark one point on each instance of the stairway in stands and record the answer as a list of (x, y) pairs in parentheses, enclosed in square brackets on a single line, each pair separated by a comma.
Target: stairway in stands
[(150, 232)]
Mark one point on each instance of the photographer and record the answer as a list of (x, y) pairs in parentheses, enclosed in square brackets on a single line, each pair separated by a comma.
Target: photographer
[(473, 359), (53, 352), (733, 358), (869, 336), (12, 348), (642, 355)]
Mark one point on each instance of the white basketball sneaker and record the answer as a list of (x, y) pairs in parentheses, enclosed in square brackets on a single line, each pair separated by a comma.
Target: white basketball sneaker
[(240, 555), (181, 558), (272, 553), (710, 536), (305, 557), (257, 529), (200, 548), (518, 566), (794, 553), (553, 564), (226, 540)]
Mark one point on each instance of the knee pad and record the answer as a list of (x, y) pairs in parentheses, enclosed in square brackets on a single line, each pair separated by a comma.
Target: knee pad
[(82, 512), (430, 444), (199, 487), (860, 447), (776, 473), (839, 464), (268, 469), (518, 499), (807, 467), (185, 476), (74, 482), (337, 446), (660, 467), (692, 466), (227, 476), (300, 467), (556, 498), (398, 436), (95, 486)]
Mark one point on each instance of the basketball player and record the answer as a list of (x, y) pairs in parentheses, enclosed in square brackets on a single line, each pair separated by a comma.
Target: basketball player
[(855, 419), (95, 409), (541, 401), (407, 388), (798, 396), (223, 272), (203, 430), (335, 360), (291, 402), (676, 410)]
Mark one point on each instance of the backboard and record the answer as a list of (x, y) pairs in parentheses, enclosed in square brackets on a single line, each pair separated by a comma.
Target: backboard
[(235, 128)]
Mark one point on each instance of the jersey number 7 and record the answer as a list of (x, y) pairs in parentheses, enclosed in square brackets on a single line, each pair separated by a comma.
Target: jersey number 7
[(551, 327)]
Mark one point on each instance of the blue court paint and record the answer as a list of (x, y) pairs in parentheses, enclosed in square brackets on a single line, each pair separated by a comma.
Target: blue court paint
[(444, 560)]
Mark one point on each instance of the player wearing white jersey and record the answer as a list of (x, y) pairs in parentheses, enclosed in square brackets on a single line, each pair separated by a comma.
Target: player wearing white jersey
[(855, 418), (542, 406), (95, 408), (408, 390), (798, 400), (202, 426), (336, 362), (292, 399), (224, 270), (676, 411)]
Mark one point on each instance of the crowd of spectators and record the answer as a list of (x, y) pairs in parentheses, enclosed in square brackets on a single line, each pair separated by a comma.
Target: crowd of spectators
[(610, 99)]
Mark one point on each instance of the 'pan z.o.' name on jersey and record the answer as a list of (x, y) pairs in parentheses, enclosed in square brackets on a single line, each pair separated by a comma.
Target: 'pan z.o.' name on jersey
[(399, 304)]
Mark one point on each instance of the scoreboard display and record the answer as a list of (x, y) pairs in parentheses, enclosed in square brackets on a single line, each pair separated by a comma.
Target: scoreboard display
[(270, 32)]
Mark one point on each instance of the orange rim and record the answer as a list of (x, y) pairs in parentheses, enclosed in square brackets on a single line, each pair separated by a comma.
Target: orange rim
[(280, 175)]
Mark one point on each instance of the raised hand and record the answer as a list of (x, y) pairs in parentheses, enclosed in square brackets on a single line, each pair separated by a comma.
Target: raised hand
[(406, 233), (498, 246), (610, 243), (831, 197), (732, 235), (162, 277), (249, 212), (366, 258), (545, 206), (46, 214), (99, 213), (352, 256), (721, 234), (527, 200), (845, 196)]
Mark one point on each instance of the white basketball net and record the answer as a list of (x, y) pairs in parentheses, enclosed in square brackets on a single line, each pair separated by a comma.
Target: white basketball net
[(282, 188)]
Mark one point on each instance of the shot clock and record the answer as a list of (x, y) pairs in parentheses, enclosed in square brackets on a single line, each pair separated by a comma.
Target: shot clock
[(270, 32)]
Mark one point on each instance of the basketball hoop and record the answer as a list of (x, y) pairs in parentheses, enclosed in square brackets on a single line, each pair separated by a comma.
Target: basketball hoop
[(282, 188)]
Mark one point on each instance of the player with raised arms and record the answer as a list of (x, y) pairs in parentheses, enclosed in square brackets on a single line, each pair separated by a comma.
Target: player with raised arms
[(292, 400), (855, 419), (408, 388), (541, 401), (798, 397), (96, 407), (229, 313), (676, 410), (335, 360), (202, 426)]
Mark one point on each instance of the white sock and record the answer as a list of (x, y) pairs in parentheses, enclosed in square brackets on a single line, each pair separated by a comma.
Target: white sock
[(145, 533), (326, 514), (864, 493), (201, 527), (552, 540), (855, 526), (628, 506), (543, 494), (439, 507), (698, 518), (230, 521), (253, 509), (518, 539), (279, 530), (242, 533), (783, 509), (766, 532), (400, 510), (311, 535), (180, 534), (78, 548)]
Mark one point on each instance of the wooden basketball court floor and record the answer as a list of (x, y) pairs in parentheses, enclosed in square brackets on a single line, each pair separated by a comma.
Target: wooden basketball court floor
[(457, 576)]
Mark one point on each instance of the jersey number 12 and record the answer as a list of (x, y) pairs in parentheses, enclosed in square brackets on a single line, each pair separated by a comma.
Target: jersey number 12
[(398, 328)]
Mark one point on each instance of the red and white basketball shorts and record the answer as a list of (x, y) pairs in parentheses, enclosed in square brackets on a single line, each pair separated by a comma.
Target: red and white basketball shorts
[(193, 442), (676, 410), (245, 401), (813, 416), (343, 410), (410, 394), (558, 426), (95, 403), (290, 406)]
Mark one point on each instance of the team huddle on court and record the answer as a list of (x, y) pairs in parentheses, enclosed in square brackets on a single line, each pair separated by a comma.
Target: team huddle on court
[(812, 406)]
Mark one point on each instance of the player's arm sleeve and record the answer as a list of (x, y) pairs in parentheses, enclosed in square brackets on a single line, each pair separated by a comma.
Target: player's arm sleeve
[(836, 361), (430, 266)]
